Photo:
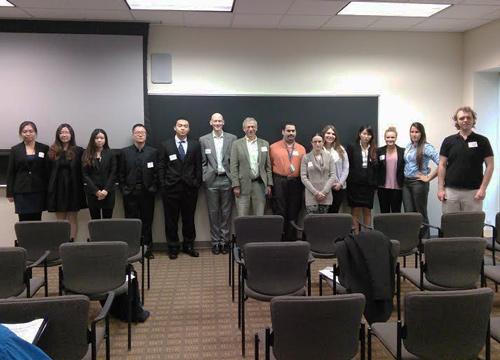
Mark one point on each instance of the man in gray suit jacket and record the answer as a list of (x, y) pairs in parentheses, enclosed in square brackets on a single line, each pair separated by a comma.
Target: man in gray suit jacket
[(251, 174), (215, 152)]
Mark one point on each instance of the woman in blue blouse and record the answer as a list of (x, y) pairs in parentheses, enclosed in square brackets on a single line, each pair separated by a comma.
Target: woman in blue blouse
[(417, 156)]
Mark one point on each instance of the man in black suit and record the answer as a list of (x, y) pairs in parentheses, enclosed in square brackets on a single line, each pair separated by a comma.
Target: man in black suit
[(180, 179), (138, 181)]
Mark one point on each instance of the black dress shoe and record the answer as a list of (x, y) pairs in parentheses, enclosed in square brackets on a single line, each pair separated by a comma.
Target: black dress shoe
[(216, 249), (172, 256), (225, 248), (191, 252)]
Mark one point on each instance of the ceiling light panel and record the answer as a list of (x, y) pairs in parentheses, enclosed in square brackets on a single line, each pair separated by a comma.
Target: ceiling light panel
[(391, 9), (182, 5), (5, 3)]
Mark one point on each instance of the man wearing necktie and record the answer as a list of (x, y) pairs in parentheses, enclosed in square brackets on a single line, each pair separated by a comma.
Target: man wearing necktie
[(180, 178)]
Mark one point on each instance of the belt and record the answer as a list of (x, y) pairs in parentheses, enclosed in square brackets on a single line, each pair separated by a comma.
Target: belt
[(222, 174), (257, 179), (286, 177)]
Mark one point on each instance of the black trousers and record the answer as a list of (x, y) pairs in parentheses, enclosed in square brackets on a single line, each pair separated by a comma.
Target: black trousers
[(390, 200), (140, 204), (179, 200), (99, 213), (287, 202), (30, 217), (338, 198)]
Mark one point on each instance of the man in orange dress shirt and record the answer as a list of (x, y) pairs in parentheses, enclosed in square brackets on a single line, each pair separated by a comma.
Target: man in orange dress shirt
[(286, 156)]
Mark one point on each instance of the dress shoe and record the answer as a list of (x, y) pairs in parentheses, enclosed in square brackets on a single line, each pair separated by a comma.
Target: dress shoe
[(191, 252), (225, 248), (172, 256), (216, 249)]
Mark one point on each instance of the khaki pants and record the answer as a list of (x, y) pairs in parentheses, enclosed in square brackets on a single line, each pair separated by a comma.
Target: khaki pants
[(256, 200), (461, 200)]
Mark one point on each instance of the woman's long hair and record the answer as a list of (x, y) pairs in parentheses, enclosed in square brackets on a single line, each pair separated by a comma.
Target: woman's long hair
[(337, 146), (57, 147), (372, 143), (420, 144), (90, 153)]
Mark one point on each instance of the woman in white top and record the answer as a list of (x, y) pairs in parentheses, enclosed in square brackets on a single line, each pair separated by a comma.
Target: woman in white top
[(332, 145), (317, 172)]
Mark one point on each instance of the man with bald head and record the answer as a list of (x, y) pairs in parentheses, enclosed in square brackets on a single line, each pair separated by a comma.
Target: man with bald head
[(215, 154)]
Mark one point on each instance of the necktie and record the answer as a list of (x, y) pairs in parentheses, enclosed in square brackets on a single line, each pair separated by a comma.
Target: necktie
[(182, 153)]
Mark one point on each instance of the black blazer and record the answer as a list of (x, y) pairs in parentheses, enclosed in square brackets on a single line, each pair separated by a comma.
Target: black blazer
[(100, 175), (24, 176), (400, 175), (173, 170), (127, 170), (358, 175)]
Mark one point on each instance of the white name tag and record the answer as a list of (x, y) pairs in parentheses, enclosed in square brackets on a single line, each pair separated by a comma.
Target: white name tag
[(381, 157), (172, 157), (310, 164), (150, 165), (472, 144), (208, 151), (263, 149), (295, 153), (41, 155)]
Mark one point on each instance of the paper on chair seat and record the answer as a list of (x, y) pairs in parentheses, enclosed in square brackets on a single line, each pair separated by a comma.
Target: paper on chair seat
[(29, 331)]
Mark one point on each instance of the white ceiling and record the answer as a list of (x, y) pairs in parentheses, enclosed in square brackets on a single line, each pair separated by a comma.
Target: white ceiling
[(263, 14)]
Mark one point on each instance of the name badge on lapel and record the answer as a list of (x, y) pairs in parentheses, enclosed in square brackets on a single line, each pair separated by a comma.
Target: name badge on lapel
[(208, 151), (150, 165), (263, 149), (172, 157), (381, 157), (472, 144), (41, 154)]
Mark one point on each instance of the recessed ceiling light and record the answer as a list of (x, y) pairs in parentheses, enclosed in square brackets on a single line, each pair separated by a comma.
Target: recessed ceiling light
[(5, 3), (391, 9), (184, 5)]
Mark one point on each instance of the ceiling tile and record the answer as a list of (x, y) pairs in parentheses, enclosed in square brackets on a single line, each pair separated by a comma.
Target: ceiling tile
[(455, 25), (395, 23), (256, 21), (466, 12), (262, 6), (73, 4), (75, 14), (173, 18), (492, 16), (12, 12), (302, 22), (209, 19), (349, 22), (316, 7), (480, 2)]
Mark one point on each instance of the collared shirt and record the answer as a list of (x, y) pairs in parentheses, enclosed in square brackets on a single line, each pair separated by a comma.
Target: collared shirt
[(364, 155), (285, 160), (411, 166), (138, 164), (219, 143), (341, 165), (183, 142), (253, 153), (465, 158)]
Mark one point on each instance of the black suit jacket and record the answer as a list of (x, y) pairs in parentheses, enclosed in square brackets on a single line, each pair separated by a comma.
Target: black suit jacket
[(100, 176), (127, 174), (173, 170), (381, 155), (24, 176), (356, 171)]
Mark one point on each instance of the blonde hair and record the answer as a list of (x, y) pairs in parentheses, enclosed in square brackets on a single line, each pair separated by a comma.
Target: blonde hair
[(391, 129)]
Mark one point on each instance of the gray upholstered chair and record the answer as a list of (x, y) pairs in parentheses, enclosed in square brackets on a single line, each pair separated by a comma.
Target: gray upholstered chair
[(39, 236), (494, 245), (403, 227), (495, 328), (94, 270), (66, 335), (126, 230), (316, 327), (249, 229), (272, 269), (15, 276), (450, 264), (438, 325), (461, 224)]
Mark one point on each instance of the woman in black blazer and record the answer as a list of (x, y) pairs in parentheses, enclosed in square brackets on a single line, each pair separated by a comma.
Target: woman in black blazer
[(27, 174), (65, 194), (390, 173), (362, 178), (99, 170)]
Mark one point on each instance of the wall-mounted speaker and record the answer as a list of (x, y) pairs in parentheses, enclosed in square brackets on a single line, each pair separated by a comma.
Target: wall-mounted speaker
[(161, 68)]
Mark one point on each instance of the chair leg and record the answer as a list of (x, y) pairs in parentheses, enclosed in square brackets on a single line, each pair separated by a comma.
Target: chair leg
[(309, 280), (93, 345), (129, 316), (268, 344), (232, 276), (362, 341), (142, 282), (488, 343), (242, 323), (320, 285), (369, 338), (106, 323), (256, 347), (230, 258), (149, 277), (239, 296), (45, 275)]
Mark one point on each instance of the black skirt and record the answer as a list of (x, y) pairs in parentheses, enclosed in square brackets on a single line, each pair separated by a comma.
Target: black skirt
[(107, 203), (360, 195), (29, 203)]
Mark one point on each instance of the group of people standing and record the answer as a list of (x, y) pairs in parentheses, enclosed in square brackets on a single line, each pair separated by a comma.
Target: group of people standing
[(64, 178)]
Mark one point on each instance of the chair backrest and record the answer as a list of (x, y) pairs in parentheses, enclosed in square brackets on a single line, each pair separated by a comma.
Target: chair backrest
[(316, 327), (91, 268), (12, 270), (276, 268), (402, 227), (126, 230), (65, 336), (447, 324), (321, 231), (454, 262), (39, 236), (265, 228), (463, 224)]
